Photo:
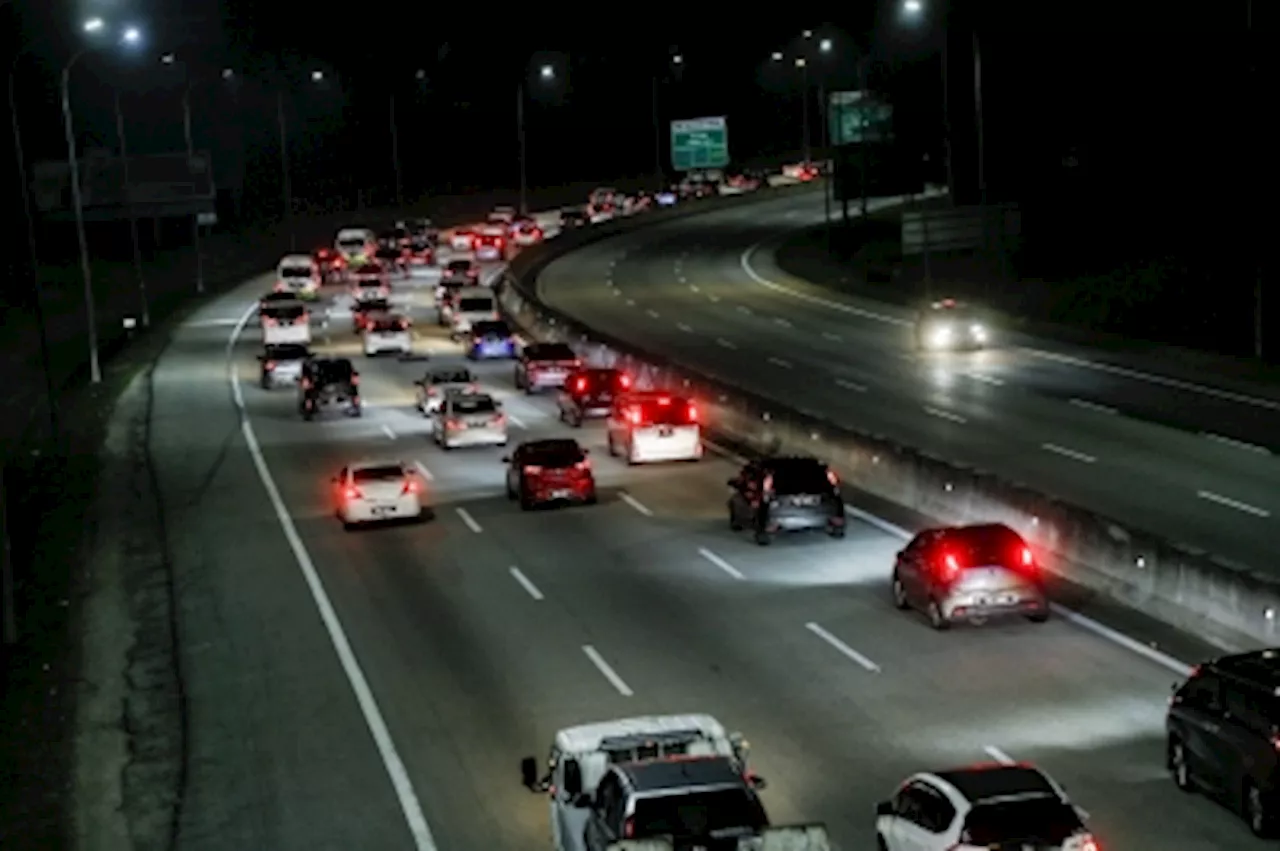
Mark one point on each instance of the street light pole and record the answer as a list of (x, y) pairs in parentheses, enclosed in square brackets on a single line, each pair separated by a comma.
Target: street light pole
[(95, 370), (284, 169), (827, 158), (33, 257), (395, 150), (133, 218), (524, 182), (804, 109), (191, 159), (657, 138), (977, 111)]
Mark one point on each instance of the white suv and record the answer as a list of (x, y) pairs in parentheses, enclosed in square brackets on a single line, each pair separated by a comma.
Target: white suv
[(388, 333)]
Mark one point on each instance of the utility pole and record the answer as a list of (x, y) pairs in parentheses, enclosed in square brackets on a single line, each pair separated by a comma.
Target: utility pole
[(191, 159), (133, 218)]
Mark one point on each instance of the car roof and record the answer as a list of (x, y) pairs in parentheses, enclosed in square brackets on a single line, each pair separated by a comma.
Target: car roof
[(1260, 667), (682, 773), (369, 463), (588, 738), (551, 444), (466, 393), (987, 783), (300, 259)]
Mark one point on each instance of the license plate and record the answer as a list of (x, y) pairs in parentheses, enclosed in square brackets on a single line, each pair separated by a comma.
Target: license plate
[(805, 500), (383, 510), (561, 493), (666, 431)]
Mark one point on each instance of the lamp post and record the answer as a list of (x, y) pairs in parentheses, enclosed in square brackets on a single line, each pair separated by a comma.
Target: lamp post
[(677, 60), (133, 218), (545, 72)]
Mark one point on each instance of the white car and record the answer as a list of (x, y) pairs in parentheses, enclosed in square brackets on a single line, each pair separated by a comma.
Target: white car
[(461, 239), (469, 306), (469, 419), (526, 233), (298, 274), (654, 426), (503, 214), (437, 383), (388, 333), (981, 807), (580, 755), (374, 491), (285, 322), (370, 289)]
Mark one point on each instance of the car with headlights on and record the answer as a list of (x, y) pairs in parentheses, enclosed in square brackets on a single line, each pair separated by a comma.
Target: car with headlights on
[(469, 419), (970, 574), (545, 365), (654, 426), (786, 493), (589, 394), (950, 325), (282, 364), (378, 491), (491, 339), (432, 388), (525, 232), (298, 274), (552, 470)]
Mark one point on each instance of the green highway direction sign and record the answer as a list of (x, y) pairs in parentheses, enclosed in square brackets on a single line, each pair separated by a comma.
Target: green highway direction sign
[(698, 143), (857, 117)]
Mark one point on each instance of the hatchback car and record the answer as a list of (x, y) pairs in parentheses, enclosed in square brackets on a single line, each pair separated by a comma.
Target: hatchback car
[(786, 494), (548, 471), (378, 491)]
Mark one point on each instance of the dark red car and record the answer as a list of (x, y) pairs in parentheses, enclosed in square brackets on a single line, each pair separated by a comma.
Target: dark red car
[(546, 471)]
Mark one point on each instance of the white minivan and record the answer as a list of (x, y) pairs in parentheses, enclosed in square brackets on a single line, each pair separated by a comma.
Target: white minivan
[(285, 322), (298, 274), (356, 245), (471, 305)]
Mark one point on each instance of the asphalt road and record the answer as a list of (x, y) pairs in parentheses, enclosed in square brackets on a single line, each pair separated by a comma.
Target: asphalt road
[(468, 632), (1052, 417)]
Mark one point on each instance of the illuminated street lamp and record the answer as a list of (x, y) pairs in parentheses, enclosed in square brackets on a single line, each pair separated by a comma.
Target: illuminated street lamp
[(825, 45), (94, 25), (317, 76), (777, 56)]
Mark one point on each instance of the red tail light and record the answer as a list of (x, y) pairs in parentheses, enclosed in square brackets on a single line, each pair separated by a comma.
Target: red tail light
[(353, 492), (532, 470), (269, 365), (768, 483), (454, 424), (269, 322), (693, 414), (949, 567), (433, 391), (665, 400), (306, 384), (583, 466), (633, 416), (410, 486), (624, 381), (355, 379), (499, 419), (580, 385), (629, 827), (280, 286), (833, 478), (1028, 558), (473, 388), (1090, 844)]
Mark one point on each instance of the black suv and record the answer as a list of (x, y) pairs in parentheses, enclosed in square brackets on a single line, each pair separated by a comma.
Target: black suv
[(1224, 735), (786, 494), (702, 802), (589, 394), (328, 381)]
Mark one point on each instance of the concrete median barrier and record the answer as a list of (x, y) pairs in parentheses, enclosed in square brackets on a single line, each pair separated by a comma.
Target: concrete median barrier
[(1223, 603)]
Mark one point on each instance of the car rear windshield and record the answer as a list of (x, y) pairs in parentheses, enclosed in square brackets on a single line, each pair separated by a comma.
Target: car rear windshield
[(984, 545), (474, 405), (383, 473), (699, 814), (351, 244), (491, 329), (555, 453), (550, 352), (459, 376), (295, 272), (459, 265), (333, 372), (373, 306), (284, 311), (677, 411), (800, 476), (475, 305), (1036, 821), (390, 326), (291, 352)]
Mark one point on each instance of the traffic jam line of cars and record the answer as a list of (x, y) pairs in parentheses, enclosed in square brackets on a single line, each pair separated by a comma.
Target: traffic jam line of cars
[(657, 776)]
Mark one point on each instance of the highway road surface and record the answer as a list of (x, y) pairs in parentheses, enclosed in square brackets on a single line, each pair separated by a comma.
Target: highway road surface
[(705, 291), (377, 689)]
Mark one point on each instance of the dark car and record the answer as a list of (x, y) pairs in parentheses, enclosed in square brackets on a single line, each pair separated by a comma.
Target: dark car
[(364, 312), (544, 365), (282, 364), (464, 272), (491, 339), (589, 394), (694, 802), (970, 573), (786, 494), (393, 257), (547, 471), (423, 230), (330, 264), (327, 382), (573, 218), (1224, 735)]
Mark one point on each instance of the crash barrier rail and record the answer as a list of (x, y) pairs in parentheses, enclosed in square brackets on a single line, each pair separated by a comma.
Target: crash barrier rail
[(1192, 590)]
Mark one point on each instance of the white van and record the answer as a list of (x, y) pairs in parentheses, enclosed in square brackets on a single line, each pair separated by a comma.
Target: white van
[(298, 274), (471, 305), (356, 245), (285, 322)]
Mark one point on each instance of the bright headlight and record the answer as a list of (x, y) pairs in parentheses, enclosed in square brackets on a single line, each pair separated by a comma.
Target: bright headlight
[(979, 333), (940, 335)]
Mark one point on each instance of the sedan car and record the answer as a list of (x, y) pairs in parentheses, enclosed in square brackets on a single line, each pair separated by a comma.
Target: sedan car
[(550, 471), (282, 364), (469, 419), (438, 383), (950, 325), (372, 492), (970, 573), (491, 339)]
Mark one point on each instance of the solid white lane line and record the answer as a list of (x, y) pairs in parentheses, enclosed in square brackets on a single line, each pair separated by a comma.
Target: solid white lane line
[(635, 503), (945, 415), (526, 583), (744, 260), (844, 649), (410, 806), (1204, 389), (386, 429), (652, 313), (780, 321), (835, 338), (850, 385), (986, 379), (1094, 406), (684, 328), (631, 302), (694, 288), (1233, 503), (516, 421), (780, 362), (422, 468), (999, 755), (1067, 452), (743, 309), (714, 297), (727, 344), (720, 563), (469, 520), (1238, 444), (609, 673)]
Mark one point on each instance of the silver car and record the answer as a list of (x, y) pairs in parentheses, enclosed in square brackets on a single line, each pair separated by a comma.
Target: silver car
[(470, 419), (438, 383), (970, 574), (282, 364)]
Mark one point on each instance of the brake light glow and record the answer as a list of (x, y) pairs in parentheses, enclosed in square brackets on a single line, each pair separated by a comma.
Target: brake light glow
[(624, 381), (454, 424), (1090, 844), (693, 413), (768, 483), (833, 478), (583, 466), (353, 492), (633, 416), (665, 400), (433, 391), (1027, 558), (629, 827), (269, 322), (499, 419), (950, 566), (580, 385), (532, 470), (355, 379), (269, 365), (410, 486)]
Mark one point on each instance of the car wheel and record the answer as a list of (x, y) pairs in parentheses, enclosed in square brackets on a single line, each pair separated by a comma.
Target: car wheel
[(613, 450), (592, 498), (763, 538), (836, 532), (1041, 616), (1257, 811), (1178, 766), (900, 594), (734, 524), (937, 619), (526, 500)]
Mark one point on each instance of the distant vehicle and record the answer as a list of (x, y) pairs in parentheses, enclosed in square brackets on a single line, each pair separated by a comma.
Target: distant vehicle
[(282, 364), (374, 491), (786, 494), (545, 365), (326, 382), (491, 243), (491, 340), (388, 333), (437, 383), (330, 264), (469, 419), (950, 325), (590, 394), (970, 574), (667, 197), (503, 213), (285, 322), (802, 172), (573, 217), (298, 274), (421, 229), (465, 272), (393, 258), (374, 288), (979, 807), (364, 312), (654, 426), (462, 239), (471, 305), (355, 245), (549, 471), (526, 233)]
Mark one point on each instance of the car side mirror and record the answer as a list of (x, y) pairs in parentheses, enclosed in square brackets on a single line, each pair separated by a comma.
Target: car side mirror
[(884, 808), (756, 781)]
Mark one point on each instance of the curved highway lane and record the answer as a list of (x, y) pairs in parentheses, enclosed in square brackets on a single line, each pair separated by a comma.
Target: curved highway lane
[(480, 632), (697, 289)]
